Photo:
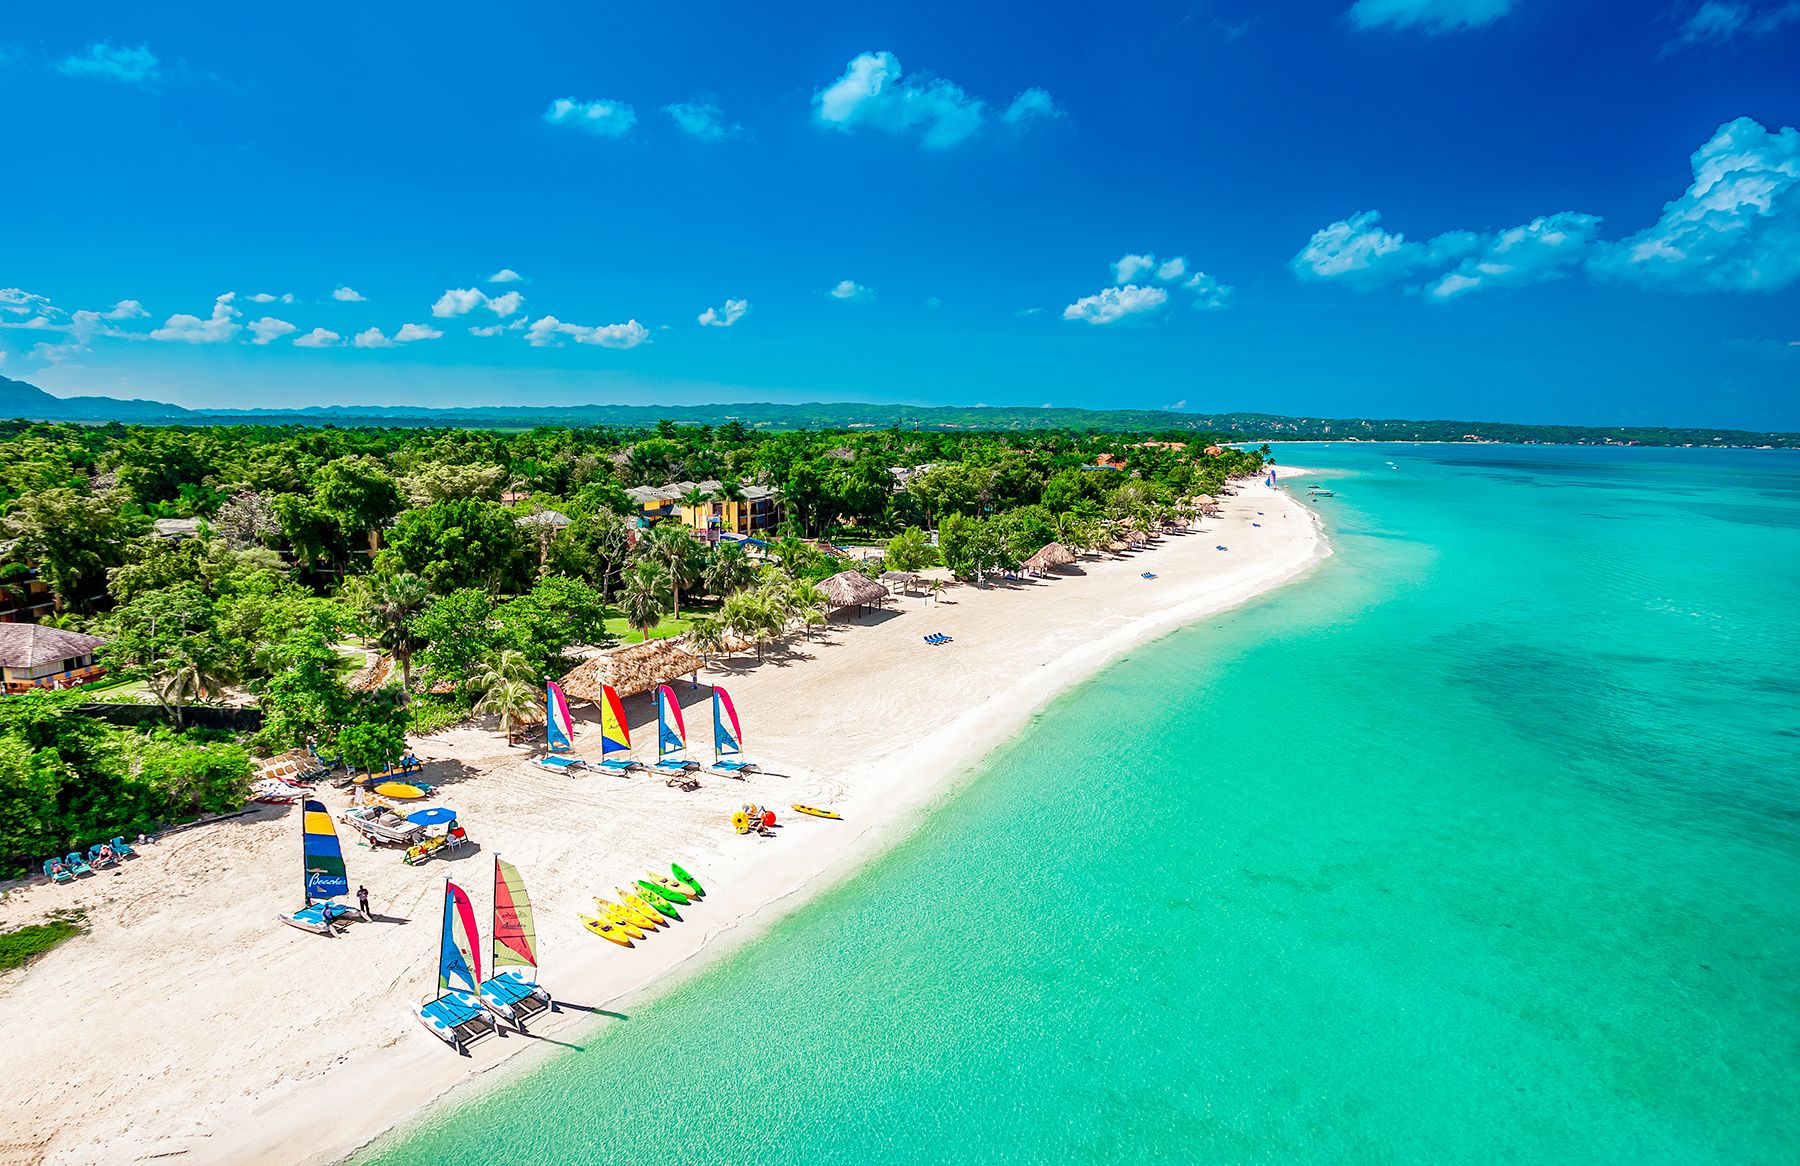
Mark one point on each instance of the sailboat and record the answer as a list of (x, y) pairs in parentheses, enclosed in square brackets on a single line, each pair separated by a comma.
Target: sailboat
[(671, 736), (455, 1015), (322, 873), (559, 733), (615, 734), (512, 993), (728, 738)]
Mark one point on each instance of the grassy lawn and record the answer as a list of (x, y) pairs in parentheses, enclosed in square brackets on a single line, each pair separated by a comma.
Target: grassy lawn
[(626, 634), (16, 947)]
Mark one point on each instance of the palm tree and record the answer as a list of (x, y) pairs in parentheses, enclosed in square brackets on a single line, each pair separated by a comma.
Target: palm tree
[(398, 601), (695, 499), (707, 635), (675, 548), (185, 679), (507, 683), (728, 569), (803, 600), (642, 601)]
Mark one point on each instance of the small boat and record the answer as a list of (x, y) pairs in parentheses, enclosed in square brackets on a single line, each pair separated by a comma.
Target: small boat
[(816, 812), (606, 929), (728, 739), (662, 906), (457, 1015), (512, 991), (322, 876), (644, 910), (692, 883), (668, 888), (671, 737), (613, 913)]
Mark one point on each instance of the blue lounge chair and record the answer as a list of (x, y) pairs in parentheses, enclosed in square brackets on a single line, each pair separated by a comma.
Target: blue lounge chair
[(76, 864), (57, 870), (122, 849), (97, 859), (1220, 547), (1148, 575)]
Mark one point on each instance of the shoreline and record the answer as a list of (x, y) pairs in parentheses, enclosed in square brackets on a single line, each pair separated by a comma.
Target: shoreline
[(352, 1053)]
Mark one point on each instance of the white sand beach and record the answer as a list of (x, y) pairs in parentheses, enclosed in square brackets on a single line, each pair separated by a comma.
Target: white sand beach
[(187, 1024)]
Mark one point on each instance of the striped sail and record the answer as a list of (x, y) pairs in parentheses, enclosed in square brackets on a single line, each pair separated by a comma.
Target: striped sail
[(671, 732), (559, 724), (615, 731), (322, 858), (515, 932), (728, 738), (459, 960)]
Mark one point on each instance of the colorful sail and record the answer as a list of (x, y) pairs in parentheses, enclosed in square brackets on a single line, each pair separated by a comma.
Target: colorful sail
[(615, 731), (671, 733), (458, 957), (515, 932), (559, 725), (322, 858), (728, 738)]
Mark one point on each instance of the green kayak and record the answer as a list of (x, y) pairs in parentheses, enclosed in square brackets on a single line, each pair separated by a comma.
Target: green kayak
[(671, 895), (692, 882), (657, 903)]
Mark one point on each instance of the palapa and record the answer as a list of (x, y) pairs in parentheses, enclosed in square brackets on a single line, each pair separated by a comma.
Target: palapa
[(632, 669), (1052, 555), (905, 580), (853, 589)]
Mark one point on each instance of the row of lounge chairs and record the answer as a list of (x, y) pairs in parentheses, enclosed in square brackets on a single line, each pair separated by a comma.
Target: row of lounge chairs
[(99, 856), (936, 638)]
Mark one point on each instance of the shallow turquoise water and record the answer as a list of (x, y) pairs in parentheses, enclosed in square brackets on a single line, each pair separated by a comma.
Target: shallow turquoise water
[(1480, 844)]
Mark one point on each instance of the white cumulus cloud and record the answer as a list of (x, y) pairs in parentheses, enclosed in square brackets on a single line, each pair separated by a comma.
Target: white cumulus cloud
[(371, 338), (1545, 248), (1718, 21), (217, 328), (125, 310), (1209, 293), (725, 317), (849, 289), (460, 301), (1737, 227), (268, 330), (133, 66), (411, 332), (506, 275), (266, 298), (1428, 15), (348, 295), (874, 93), (1173, 269), (1361, 253), (548, 332), (1112, 304), (703, 120), (606, 119), (318, 338), (1127, 270)]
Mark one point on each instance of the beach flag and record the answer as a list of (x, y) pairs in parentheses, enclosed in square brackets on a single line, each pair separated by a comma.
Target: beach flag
[(615, 731), (558, 723)]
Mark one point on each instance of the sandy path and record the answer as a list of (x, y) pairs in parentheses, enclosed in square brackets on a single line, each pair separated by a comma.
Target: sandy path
[(188, 1023)]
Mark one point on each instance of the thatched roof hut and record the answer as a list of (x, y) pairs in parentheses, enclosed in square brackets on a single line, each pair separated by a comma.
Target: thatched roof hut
[(1053, 555), (853, 589), (1116, 546), (632, 669)]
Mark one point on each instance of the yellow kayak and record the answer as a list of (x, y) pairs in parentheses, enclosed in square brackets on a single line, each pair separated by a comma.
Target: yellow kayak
[(816, 812), (642, 909), (606, 929), (613, 913)]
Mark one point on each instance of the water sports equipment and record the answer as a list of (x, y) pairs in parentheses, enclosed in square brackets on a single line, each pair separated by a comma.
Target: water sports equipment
[(321, 873), (816, 811), (513, 991), (456, 1014)]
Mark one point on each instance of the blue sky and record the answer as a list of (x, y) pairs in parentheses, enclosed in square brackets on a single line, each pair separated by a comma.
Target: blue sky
[(1494, 209)]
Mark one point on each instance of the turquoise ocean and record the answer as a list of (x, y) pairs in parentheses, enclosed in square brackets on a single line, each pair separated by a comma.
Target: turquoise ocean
[(1480, 843)]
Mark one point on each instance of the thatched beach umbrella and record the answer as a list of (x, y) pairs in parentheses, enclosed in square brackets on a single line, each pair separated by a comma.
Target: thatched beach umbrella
[(1048, 557), (632, 669), (853, 589)]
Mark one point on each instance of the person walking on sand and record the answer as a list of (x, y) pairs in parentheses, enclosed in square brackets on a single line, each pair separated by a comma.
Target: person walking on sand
[(362, 900)]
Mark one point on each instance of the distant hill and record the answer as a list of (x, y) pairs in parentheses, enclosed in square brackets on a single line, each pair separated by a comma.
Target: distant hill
[(28, 402)]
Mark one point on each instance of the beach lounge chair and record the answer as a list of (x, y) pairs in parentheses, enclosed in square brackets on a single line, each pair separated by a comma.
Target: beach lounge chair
[(58, 870), (121, 849), (1221, 547), (1148, 575), (101, 855), (77, 865)]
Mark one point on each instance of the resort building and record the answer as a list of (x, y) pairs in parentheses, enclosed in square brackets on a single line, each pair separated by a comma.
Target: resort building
[(697, 506), (33, 656)]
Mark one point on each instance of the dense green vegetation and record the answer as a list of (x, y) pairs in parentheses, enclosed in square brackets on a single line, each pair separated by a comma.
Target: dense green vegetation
[(18, 399), (316, 542), (22, 945)]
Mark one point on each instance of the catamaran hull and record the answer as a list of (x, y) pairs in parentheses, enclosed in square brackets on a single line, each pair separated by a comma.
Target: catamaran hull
[(305, 925)]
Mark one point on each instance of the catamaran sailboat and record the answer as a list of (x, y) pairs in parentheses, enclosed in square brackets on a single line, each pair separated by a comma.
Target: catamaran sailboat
[(456, 1014), (322, 874), (513, 993), (728, 739), (671, 737)]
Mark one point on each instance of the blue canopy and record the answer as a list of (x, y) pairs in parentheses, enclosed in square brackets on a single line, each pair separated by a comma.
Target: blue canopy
[(432, 817)]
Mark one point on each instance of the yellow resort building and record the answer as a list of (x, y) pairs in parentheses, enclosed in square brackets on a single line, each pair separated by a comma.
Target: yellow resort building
[(698, 506)]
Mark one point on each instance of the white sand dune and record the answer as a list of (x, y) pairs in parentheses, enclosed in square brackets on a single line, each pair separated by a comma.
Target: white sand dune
[(188, 1023)]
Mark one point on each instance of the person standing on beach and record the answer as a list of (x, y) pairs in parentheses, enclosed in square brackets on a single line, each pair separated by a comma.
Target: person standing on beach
[(362, 900)]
